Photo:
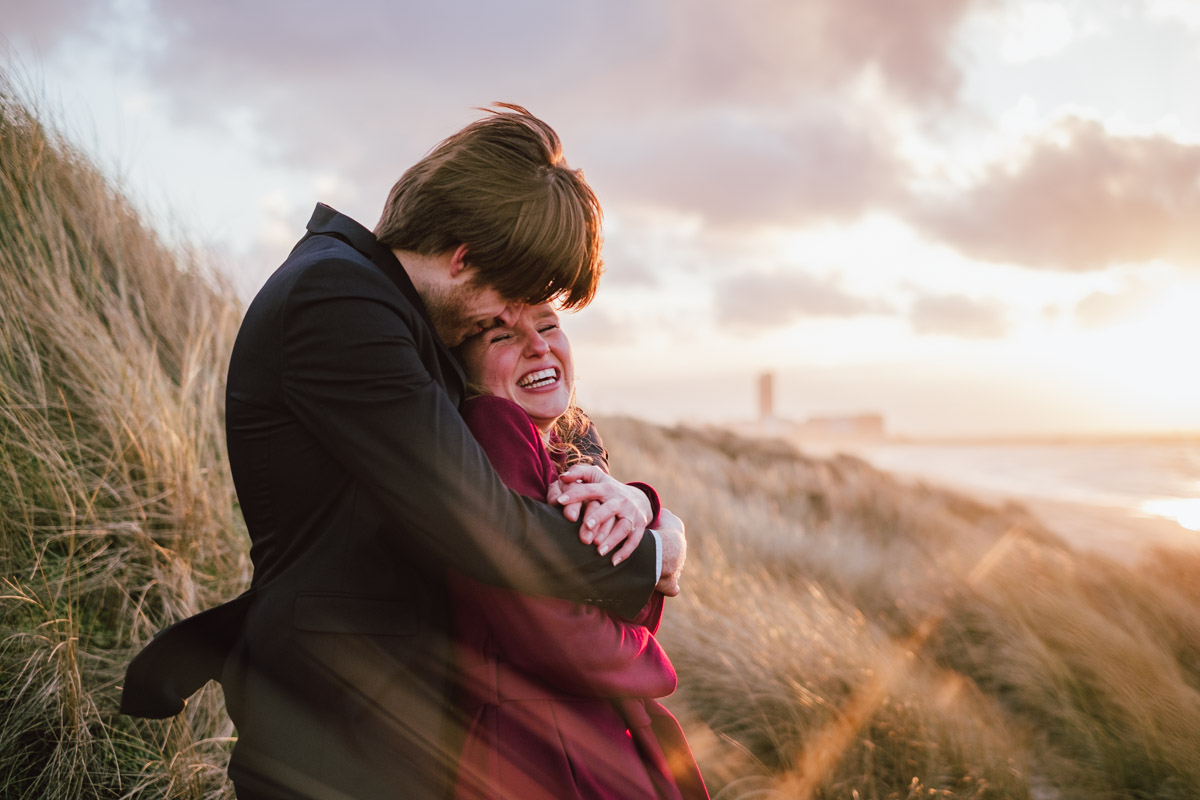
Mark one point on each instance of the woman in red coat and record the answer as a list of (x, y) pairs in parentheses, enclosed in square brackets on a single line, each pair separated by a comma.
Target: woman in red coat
[(561, 696)]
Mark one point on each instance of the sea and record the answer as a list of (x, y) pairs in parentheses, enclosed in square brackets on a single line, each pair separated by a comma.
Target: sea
[(1142, 479)]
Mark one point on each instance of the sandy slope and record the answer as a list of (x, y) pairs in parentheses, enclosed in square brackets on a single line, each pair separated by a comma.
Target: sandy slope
[(1113, 530)]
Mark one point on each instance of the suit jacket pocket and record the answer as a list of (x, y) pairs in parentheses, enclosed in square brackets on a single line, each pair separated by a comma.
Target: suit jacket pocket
[(322, 612)]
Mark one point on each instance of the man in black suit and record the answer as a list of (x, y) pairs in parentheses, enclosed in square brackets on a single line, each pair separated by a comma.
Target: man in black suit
[(359, 482)]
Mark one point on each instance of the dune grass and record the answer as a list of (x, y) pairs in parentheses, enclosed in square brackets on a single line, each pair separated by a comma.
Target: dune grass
[(842, 634), (117, 508), (845, 634)]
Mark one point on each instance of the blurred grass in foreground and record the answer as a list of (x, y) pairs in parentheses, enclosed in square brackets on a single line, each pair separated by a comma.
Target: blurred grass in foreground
[(841, 634)]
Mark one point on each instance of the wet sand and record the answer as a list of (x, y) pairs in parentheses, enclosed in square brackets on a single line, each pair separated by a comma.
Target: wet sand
[(1113, 531), (1116, 531)]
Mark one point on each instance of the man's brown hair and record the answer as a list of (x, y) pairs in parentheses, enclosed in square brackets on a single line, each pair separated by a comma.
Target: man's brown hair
[(501, 186)]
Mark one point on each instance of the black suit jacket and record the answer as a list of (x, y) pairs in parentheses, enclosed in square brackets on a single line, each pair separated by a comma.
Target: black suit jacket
[(359, 483)]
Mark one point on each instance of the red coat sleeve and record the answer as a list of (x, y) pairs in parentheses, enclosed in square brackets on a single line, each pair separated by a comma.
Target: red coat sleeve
[(575, 648)]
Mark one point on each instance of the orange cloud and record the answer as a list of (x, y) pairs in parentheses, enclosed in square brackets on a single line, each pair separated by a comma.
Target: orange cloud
[(958, 315), (1099, 309), (759, 301), (767, 50), (1081, 199)]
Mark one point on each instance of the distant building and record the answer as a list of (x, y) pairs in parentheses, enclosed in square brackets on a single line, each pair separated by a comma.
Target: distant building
[(766, 396), (832, 428)]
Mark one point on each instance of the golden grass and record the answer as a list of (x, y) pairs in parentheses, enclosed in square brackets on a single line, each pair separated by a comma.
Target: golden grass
[(117, 508), (841, 634)]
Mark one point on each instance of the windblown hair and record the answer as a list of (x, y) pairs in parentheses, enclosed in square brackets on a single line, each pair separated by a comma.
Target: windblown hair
[(501, 186), (575, 441)]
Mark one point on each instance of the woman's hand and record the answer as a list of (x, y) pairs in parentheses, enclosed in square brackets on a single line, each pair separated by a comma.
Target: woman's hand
[(613, 513)]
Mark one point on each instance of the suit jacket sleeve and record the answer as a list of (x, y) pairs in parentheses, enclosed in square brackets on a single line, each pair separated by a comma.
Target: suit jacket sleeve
[(573, 647), (352, 374)]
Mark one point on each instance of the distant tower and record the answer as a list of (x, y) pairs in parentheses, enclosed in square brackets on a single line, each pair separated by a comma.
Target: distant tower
[(766, 396)]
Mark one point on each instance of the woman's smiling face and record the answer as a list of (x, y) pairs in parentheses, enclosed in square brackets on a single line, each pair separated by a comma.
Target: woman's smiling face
[(529, 362)]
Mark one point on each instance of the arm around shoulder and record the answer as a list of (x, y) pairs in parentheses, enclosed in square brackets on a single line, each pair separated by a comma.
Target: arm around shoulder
[(353, 374)]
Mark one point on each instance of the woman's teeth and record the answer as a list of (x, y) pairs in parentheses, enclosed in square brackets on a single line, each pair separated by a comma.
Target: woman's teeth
[(534, 380)]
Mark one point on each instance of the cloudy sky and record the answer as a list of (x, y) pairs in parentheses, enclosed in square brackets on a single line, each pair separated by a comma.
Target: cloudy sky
[(972, 216)]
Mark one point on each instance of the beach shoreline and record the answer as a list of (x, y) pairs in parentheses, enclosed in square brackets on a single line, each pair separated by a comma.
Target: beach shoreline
[(1121, 531), (1114, 531)]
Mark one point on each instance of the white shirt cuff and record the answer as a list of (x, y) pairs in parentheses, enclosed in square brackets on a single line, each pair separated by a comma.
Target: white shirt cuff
[(657, 554)]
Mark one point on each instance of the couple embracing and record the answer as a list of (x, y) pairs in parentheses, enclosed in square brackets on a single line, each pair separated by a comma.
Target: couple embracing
[(451, 596)]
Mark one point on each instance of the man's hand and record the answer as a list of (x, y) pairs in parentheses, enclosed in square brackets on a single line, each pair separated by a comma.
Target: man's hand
[(613, 513), (671, 533)]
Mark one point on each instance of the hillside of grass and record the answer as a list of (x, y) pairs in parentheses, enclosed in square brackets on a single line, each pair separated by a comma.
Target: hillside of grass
[(845, 634), (841, 634), (116, 506)]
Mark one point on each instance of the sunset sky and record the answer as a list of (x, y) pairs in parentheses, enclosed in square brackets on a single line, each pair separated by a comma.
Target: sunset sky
[(971, 216)]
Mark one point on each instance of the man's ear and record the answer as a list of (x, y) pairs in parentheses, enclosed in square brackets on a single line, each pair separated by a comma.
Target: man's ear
[(458, 261)]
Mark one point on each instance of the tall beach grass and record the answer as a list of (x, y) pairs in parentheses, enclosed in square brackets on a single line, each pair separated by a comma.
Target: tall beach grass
[(842, 634), (116, 508), (846, 634)]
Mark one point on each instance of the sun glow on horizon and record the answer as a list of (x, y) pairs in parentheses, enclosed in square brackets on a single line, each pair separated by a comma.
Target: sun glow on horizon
[(860, 226), (1183, 510)]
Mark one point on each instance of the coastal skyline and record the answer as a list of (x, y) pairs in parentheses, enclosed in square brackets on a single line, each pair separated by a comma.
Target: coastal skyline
[(973, 217)]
